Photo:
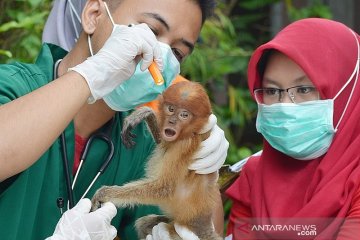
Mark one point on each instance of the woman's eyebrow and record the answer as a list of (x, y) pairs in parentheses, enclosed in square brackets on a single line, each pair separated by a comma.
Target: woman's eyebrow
[(296, 80), (301, 79)]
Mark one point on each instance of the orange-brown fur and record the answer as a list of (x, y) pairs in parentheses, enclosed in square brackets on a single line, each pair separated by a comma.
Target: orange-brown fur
[(186, 197)]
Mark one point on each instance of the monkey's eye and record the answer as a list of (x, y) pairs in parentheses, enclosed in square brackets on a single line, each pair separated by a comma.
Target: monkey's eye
[(184, 115), (171, 108)]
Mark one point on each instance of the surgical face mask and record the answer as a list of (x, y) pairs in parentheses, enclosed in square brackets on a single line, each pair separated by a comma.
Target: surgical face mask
[(303, 131), (141, 88)]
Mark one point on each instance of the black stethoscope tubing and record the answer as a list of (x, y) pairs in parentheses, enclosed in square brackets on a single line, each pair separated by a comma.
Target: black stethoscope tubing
[(100, 135), (69, 191), (103, 135)]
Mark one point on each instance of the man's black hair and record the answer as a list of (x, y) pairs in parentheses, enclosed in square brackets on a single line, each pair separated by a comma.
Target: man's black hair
[(207, 8)]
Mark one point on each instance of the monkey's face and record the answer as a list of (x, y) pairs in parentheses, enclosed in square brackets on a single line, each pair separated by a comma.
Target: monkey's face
[(175, 120)]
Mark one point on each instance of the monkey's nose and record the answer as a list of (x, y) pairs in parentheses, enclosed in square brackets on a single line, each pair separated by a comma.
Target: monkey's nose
[(172, 120)]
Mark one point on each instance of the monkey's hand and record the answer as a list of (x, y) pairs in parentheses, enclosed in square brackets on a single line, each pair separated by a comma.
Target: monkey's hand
[(133, 120), (99, 198)]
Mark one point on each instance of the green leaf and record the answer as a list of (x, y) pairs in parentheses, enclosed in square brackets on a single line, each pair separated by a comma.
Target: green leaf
[(27, 22), (35, 3), (6, 53)]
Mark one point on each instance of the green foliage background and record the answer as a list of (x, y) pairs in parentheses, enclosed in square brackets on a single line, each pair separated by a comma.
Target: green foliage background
[(21, 24), (219, 60)]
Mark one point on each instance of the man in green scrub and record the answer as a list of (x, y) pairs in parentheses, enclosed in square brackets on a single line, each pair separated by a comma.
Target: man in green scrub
[(40, 101)]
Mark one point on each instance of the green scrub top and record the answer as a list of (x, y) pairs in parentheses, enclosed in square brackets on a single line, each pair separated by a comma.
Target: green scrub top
[(28, 208)]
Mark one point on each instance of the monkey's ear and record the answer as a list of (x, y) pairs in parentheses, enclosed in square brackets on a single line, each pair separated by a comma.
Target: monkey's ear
[(160, 98)]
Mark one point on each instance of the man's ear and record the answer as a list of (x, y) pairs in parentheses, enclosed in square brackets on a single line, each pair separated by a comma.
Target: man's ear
[(90, 15)]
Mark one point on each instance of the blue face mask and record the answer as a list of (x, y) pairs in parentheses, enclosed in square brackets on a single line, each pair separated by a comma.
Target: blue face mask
[(141, 88), (303, 131)]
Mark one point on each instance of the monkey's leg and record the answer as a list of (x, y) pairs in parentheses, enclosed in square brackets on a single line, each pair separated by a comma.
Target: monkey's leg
[(203, 227), (144, 225), (133, 120), (139, 192)]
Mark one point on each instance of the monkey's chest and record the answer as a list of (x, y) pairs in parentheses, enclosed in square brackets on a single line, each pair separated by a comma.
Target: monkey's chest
[(190, 189)]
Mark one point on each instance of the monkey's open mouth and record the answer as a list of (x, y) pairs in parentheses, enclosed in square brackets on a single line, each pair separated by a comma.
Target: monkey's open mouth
[(169, 132)]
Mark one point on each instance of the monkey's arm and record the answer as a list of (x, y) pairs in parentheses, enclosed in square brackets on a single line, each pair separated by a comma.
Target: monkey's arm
[(149, 192), (134, 119)]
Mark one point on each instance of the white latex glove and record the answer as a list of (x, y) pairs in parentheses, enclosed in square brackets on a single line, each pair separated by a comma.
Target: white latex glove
[(213, 150), (116, 61), (78, 224), (229, 237), (160, 232)]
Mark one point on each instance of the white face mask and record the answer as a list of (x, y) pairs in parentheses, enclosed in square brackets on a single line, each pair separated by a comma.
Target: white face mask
[(303, 131)]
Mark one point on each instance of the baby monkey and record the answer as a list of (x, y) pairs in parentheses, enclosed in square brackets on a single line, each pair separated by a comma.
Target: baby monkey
[(185, 197)]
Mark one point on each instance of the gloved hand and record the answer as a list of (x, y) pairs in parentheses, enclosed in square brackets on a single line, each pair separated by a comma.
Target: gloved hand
[(213, 150), (78, 224), (116, 61), (160, 232)]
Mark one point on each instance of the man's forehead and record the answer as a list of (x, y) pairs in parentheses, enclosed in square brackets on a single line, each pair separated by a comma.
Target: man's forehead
[(171, 14)]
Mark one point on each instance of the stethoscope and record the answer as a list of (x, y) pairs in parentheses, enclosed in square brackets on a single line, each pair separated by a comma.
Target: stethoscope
[(103, 134)]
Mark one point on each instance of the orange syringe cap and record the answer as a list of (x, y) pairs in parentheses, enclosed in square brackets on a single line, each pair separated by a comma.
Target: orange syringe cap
[(156, 74)]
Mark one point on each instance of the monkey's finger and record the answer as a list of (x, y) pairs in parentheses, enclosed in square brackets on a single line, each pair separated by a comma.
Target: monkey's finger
[(128, 144), (125, 141), (126, 130), (124, 136), (133, 135), (127, 137)]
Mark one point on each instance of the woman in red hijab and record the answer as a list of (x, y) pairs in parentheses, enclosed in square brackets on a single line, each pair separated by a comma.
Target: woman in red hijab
[(305, 184)]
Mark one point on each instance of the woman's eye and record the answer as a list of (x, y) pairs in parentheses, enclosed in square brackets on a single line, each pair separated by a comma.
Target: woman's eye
[(178, 54), (305, 90), (270, 91)]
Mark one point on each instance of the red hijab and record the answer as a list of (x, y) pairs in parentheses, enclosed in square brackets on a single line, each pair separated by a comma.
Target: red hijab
[(284, 187)]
